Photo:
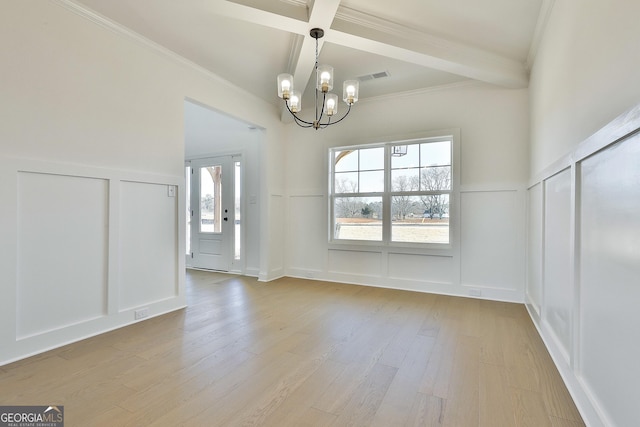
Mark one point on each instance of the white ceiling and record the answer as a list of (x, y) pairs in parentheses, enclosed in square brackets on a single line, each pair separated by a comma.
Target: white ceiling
[(420, 43)]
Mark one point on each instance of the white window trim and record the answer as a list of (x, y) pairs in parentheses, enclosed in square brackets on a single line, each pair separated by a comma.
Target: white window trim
[(386, 243)]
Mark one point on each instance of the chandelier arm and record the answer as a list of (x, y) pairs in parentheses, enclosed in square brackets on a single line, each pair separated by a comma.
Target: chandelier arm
[(299, 123), (298, 119), (343, 117), (326, 125)]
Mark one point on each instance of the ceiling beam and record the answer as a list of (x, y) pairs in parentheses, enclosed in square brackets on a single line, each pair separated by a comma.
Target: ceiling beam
[(461, 60), (321, 16), (379, 36), (257, 16), (353, 29)]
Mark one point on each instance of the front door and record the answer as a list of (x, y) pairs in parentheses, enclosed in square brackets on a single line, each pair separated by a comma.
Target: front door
[(211, 213)]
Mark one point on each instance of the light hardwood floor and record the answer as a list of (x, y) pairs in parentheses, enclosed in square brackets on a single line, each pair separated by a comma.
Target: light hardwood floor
[(304, 353)]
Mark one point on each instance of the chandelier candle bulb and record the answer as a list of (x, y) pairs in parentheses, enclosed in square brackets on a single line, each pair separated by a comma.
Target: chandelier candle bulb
[(285, 85), (325, 78), (332, 104), (350, 91), (295, 102)]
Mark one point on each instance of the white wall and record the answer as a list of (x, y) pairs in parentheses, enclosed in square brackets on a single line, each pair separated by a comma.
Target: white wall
[(488, 253), (584, 222), (584, 74), (92, 134)]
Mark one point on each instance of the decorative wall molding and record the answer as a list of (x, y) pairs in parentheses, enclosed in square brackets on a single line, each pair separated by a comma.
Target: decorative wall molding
[(619, 128), (568, 360), (18, 344)]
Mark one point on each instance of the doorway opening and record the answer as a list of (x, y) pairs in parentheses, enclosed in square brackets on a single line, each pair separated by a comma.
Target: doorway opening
[(214, 226)]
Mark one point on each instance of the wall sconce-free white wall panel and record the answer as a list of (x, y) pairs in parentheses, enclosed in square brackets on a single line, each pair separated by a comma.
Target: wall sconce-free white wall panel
[(307, 229), (610, 278), (426, 268), (355, 262), (534, 247), (148, 236), (62, 251), (558, 289), (491, 234)]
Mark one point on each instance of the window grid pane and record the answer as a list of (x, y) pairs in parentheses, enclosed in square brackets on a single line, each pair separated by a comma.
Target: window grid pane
[(346, 161), (435, 154), (358, 218), (419, 176), (346, 182), (435, 178), (420, 219), (371, 159)]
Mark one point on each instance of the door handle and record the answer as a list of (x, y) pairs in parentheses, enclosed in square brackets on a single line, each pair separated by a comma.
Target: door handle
[(225, 218)]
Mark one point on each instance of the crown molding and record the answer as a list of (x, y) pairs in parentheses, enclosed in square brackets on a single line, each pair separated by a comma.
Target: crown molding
[(297, 3), (294, 51), (538, 34), (144, 42)]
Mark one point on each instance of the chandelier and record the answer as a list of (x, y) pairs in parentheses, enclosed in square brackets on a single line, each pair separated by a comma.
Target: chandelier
[(324, 83)]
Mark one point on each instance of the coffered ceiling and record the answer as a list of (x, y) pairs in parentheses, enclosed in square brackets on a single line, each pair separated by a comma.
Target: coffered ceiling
[(415, 44)]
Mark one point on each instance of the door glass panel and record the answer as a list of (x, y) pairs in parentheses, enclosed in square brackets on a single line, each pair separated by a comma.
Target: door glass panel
[(187, 191), (236, 192), (210, 199)]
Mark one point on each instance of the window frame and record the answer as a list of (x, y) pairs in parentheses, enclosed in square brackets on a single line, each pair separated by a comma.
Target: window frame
[(452, 135)]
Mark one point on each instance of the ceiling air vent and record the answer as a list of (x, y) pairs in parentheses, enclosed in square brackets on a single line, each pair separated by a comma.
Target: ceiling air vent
[(373, 76)]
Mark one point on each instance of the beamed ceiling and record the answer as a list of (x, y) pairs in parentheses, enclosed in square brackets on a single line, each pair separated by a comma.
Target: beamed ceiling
[(419, 44)]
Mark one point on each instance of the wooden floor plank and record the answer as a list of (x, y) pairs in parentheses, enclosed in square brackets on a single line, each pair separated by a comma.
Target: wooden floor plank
[(529, 409), (561, 422), (426, 411), (366, 400), (296, 352), (464, 391), (399, 398), (495, 410), (296, 409)]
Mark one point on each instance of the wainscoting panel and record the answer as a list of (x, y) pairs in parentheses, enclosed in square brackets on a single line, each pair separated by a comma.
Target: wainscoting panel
[(148, 236), (534, 247), (307, 229), (85, 247), (62, 251), (357, 263), (421, 268), (590, 239), (491, 247), (558, 287), (610, 279)]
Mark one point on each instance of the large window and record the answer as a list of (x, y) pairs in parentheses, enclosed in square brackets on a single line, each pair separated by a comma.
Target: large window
[(397, 192)]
